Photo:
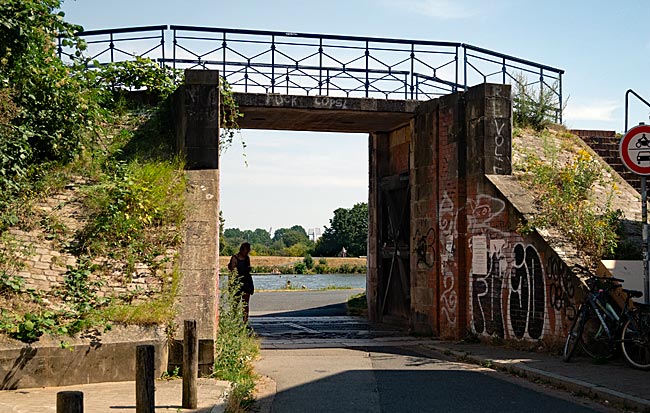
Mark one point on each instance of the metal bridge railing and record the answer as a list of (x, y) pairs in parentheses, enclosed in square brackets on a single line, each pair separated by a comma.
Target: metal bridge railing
[(109, 46), (315, 64)]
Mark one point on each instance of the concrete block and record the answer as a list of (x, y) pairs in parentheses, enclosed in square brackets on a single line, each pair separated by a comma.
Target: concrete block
[(201, 77), (205, 157)]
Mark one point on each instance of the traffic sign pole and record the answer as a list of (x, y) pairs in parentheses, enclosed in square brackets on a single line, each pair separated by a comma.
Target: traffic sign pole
[(644, 244), (635, 154)]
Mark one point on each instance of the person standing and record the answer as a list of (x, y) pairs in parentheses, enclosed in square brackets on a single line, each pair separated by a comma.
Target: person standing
[(244, 283)]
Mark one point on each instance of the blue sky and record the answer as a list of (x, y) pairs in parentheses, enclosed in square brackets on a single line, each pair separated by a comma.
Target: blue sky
[(299, 178)]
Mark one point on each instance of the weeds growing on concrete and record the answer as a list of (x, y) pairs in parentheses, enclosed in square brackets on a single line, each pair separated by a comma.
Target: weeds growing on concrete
[(565, 202), (358, 305), (236, 348)]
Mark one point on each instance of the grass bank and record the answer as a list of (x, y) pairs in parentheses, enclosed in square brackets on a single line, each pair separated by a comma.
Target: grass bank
[(105, 227)]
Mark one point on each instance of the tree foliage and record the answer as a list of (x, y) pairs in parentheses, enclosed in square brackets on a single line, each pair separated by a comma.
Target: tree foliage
[(47, 105), (348, 229)]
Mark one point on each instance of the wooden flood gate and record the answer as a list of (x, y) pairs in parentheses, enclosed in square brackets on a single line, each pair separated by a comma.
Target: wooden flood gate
[(394, 236)]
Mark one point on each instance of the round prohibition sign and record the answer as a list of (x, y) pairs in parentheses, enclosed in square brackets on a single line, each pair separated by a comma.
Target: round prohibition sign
[(635, 150)]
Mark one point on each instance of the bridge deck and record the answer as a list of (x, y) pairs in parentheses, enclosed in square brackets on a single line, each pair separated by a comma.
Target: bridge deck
[(322, 113)]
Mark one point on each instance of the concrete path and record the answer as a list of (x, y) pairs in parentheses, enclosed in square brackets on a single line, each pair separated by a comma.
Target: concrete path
[(344, 364), (116, 397)]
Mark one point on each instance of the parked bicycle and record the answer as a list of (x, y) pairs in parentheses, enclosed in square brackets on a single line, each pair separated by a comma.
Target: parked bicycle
[(601, 325)]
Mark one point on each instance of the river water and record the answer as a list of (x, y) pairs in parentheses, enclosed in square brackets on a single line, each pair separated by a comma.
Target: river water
[(310, 282)]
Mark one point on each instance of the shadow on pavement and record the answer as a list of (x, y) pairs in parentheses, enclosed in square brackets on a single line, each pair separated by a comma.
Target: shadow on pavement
[(415, 384)]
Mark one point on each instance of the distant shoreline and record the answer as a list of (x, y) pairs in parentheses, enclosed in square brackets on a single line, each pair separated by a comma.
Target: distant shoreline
[(272, 265)]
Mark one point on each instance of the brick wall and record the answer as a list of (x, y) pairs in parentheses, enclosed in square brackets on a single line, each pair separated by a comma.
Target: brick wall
[(44, 258), (471, 270)]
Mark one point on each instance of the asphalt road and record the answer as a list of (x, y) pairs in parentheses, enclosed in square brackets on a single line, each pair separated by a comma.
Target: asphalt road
[(301, 303), (323, 361)]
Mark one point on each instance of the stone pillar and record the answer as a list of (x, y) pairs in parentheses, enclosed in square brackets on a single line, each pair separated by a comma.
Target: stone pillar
[(489, 131), (196, 112), (197, 133)]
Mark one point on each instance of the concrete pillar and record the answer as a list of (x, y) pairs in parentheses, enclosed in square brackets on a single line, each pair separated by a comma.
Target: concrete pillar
[(196, 112), (197, 127)]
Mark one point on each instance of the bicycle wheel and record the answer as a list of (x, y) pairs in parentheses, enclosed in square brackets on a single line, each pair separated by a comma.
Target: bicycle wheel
[(595, 340), (635, 342), (575, 333)]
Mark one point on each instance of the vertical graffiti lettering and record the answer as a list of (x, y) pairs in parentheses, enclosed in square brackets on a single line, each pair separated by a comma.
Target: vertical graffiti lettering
[(447, 221), (561, 287), (499, 141), (527, 293), (486, 294)]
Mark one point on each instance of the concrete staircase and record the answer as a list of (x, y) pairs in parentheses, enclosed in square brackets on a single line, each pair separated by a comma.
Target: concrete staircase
[(606, 143)]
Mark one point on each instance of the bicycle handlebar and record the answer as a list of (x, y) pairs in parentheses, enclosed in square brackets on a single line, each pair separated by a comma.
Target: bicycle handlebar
[(588, 272)]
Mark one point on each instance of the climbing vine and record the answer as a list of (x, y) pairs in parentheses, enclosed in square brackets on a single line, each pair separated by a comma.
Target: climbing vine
[(230, 116)]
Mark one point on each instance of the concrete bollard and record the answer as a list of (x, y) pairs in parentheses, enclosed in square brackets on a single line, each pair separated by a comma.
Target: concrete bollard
[(145, 399), (190, 364), (69, 402)]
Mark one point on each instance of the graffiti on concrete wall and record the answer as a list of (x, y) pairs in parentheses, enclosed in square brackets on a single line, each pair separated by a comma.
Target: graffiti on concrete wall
[(425, 248), (486, 302), (562, 285), (508, 300), (527, 293), (482, 211), (448, 217), (500, 158)]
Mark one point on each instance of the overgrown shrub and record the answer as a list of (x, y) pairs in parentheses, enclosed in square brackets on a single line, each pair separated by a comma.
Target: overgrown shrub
[(564, 199), (534, 107), (50, 106), (235, 347), (300, 268), (139, 74), (309, 261), (133, 209)]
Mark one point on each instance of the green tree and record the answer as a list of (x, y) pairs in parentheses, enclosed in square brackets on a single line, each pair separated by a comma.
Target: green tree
[(291, 236), (348, 228), (54, 101), (309, 261)]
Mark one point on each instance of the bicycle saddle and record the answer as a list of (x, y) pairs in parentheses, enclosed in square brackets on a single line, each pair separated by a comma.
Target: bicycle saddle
[(633, 293)]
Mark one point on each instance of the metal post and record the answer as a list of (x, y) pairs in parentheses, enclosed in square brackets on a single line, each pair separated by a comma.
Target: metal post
[(327, 79), (412, 68), (367, 68), (190, 364), (560, 97), (503, 70), (272, 64), (224, 44), (644, 244), (112, 46), (145, 399), (320, 67), (174, 51), (465, 66), (455, 88), (162, 46), (69, 402)]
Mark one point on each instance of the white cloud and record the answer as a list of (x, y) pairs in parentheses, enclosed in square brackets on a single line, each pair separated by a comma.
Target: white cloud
[(595, 111), (443, 9)]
